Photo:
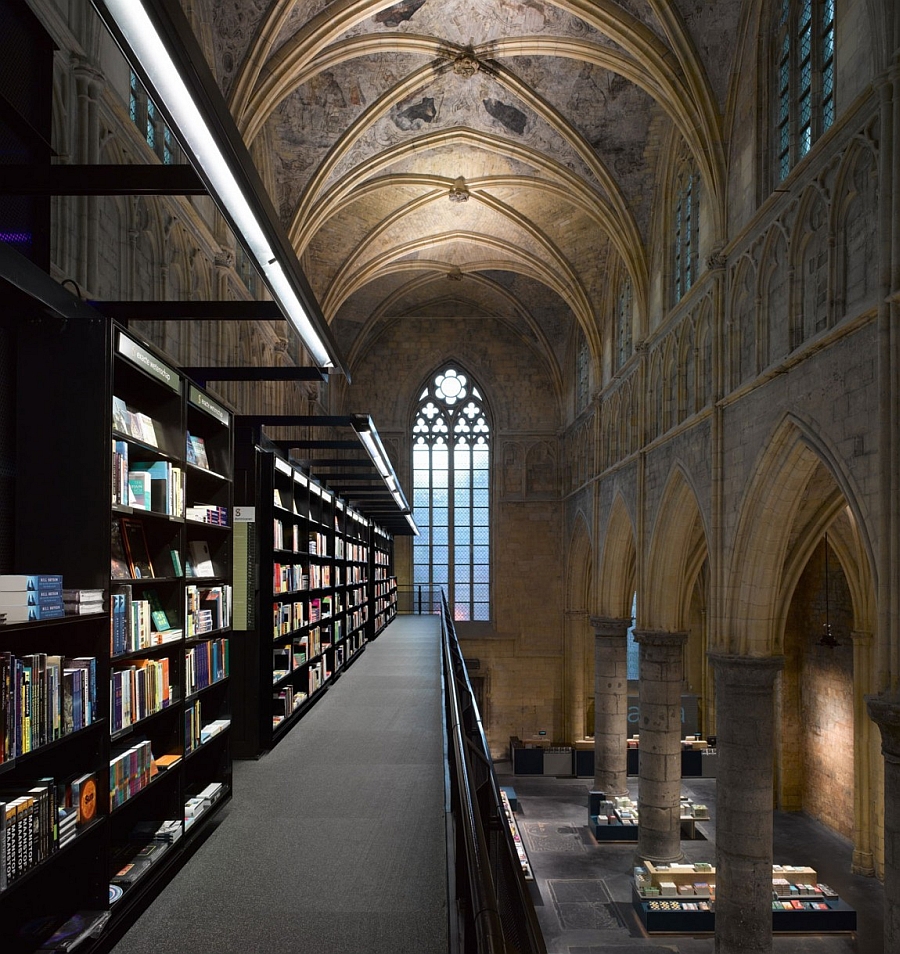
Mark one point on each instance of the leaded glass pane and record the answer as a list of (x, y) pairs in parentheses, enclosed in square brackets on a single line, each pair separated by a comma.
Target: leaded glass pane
[(480, 498), (481, 611), (480, 573), (481, 555), (450, 418), (421, 572), (461, 612)]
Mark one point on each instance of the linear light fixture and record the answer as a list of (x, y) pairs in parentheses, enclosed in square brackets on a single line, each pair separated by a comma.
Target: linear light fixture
[(156, 38), (368, 436)]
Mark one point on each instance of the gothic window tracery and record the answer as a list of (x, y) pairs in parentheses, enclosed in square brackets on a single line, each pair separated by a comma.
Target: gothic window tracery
[(804, 78), (451, 494)]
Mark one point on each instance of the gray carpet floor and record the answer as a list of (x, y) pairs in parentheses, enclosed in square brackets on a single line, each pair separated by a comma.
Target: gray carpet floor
[(334, 842)]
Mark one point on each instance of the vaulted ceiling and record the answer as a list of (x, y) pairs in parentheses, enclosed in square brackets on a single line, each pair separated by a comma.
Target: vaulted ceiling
[(469, 158)]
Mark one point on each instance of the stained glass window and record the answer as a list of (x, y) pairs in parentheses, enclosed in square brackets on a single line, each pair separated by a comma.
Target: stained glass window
[(451, 494)]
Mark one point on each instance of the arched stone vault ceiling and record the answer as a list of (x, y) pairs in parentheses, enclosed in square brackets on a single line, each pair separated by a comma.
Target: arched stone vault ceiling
[(544, 116)]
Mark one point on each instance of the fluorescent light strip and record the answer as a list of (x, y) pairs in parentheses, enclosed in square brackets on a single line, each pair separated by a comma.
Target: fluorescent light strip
[(375, 453), (139, 31)]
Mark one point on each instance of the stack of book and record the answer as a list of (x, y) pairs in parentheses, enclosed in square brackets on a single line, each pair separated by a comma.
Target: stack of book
[(27, 597), (81, 602)]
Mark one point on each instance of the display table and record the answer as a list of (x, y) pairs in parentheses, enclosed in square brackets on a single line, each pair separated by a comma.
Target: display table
[(680, 899), (698, 760), (616, 819), (540, 758), (510, 817)]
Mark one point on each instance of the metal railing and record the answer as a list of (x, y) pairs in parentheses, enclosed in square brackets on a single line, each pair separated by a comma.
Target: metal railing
[(419, 599), (491, 909)]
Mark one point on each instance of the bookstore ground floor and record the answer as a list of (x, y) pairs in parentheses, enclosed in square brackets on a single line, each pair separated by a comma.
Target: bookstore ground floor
[(583, 891)]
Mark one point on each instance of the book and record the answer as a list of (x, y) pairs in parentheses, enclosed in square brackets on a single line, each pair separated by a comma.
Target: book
[(31, 582), (201, 561), (119, 565), (120, 420), (136, 548), (81, 925), (83, 596), (157, 613), (139, 489), (196, 451)]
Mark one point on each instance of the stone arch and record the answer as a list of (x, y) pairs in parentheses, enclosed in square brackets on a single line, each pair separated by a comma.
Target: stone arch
[(677, 551), (617, 579), (744, 349), (687, 373), (774, 289), (855, 211), (703, 346), (765, 536), (656, 416), (810, 263)]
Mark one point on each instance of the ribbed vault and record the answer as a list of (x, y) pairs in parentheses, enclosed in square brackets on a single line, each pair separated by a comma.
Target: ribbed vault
[(440, 140)]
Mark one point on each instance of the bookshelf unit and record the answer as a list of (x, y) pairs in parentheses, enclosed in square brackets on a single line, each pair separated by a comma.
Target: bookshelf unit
[(303, 592), (156, 753), (384, 583)]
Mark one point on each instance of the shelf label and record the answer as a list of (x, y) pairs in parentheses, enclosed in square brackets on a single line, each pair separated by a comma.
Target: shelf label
[(149, 362), (245, 515), (283, 466), (300, 479), (199, 399)]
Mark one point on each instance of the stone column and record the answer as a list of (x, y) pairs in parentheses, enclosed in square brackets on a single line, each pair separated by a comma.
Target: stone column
[(863, 860), (745, 706), (884, 710), (659, 794), (610, 704)]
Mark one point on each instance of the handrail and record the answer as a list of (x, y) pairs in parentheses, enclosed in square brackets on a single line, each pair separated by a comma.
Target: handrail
[(493, 882)]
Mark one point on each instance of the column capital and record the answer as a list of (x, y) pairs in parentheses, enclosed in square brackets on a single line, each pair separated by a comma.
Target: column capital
[(610, 625), (884, 711), (747, 672), (660, 637)]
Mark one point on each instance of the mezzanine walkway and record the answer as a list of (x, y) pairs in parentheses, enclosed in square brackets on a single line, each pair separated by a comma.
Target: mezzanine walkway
[(334, 842)]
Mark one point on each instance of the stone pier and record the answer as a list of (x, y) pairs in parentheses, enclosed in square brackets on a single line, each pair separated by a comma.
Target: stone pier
[(610, 704)]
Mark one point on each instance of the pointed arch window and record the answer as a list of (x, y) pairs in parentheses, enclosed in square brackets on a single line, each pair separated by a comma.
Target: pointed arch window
[(686, 229), (451, 494), (804, 78)]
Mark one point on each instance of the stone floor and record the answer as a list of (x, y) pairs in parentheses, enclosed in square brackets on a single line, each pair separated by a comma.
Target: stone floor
[(582, 889)]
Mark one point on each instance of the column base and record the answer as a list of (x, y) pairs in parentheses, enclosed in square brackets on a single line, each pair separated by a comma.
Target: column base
[(640, 858)]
